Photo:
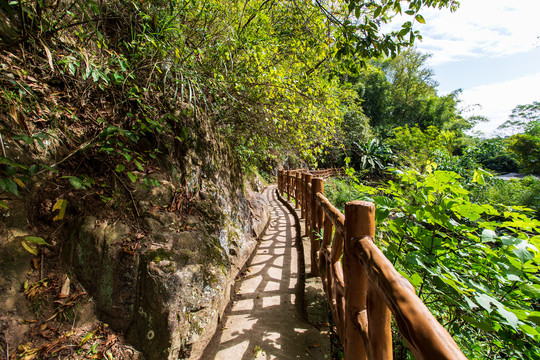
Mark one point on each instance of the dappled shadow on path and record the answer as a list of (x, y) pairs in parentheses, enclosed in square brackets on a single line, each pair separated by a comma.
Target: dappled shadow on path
[(264, 319)]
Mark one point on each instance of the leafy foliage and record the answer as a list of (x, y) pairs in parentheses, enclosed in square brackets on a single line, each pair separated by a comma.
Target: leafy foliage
[(373, 156), (527, 148), (474, 265), (523, 192), (402, 92), (446, 242), (341, 191), (415, 146), (360, 24), (266, 73), (495, 155), (524, 118)]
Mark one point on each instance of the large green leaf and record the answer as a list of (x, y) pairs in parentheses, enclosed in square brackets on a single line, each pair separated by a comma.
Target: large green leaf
[(483, 324), (36, 240), (485, 301), (510, 317), (532, 290), (488, 236), (522, 252), (31, 248)]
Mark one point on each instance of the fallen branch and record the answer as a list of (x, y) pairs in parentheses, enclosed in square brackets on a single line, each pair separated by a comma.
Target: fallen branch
[(129, 191), (81, 147)]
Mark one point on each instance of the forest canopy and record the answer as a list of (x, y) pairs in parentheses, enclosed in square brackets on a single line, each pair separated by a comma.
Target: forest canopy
[(269, 73)]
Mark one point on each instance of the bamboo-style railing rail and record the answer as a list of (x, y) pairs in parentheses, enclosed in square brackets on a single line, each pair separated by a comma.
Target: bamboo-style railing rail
[(362, 286)]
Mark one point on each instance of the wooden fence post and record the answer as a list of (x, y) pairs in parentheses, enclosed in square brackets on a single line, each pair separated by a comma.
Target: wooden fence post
[(359, 222), (378, 314), (308, 204), (283, 182), (303, 195), (297, 189), (288, 184), (303, 186), (317, 185), (293, 186), (279, 182), (364, 304)]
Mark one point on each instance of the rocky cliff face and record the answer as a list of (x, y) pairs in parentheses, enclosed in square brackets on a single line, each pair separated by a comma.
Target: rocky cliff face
[(164, 277)]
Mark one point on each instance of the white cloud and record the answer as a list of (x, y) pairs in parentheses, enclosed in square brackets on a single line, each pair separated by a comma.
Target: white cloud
[(480, 28), (498, 100)]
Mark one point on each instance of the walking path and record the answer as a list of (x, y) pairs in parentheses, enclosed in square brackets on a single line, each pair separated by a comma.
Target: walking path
[(265, 321)]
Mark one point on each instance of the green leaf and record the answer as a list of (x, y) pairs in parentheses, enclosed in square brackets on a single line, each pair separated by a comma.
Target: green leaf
[(509, 240), (3, 204), (7, 184), (488, 235), (381, 214), (127, 156), (420, 19), (522, 253), (404, 32), (132, 176), (483, 324), (478, 178), (76, 182), (120, 168), (485, 301), (416, 280), (470, 303), (531, 290), (415, 258), (61, 206), (470, 211), (36, 240), (533, 316), (138, 165), (31, 248), (509, 316), (385, 202), (529, 330)]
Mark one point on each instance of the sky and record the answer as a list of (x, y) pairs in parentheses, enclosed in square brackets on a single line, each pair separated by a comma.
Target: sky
[(491, 50)]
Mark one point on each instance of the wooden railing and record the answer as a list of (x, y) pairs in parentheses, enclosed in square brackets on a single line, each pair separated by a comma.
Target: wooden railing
[(362, 286)]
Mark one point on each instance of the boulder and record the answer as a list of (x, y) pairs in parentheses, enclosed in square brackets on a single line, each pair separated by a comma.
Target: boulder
[(260, 212), (96, 254), (15, 264)]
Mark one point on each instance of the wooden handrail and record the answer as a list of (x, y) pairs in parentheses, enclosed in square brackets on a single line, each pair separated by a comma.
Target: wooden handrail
[(362, 287)]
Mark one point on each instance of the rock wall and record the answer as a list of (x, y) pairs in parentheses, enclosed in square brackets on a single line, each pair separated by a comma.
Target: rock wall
[(164, 279), (168, 297)]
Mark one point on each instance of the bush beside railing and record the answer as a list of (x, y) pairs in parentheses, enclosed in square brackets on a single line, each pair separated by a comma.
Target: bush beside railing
[(366, 290)]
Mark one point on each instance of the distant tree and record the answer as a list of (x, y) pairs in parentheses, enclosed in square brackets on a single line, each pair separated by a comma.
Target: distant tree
[(402, 92), (410, 77), (376, 94), (527, 148), (524, 118), (494, 155)]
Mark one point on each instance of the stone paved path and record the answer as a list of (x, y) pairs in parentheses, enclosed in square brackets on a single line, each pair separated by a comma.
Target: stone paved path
[(265, 321)]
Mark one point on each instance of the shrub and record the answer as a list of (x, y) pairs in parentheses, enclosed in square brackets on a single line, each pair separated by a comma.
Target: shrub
[(523, 192), (527, 149), (501, 163)]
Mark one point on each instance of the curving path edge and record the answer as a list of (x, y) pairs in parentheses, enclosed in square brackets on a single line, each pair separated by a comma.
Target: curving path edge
[(265, 320)]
